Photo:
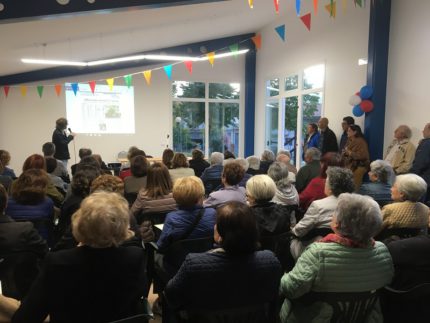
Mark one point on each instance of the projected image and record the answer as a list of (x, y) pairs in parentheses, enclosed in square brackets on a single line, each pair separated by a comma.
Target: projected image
[(103, 112)]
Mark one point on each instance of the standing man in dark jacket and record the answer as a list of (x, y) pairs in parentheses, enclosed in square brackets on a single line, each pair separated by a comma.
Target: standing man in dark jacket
[(347, 121), (421, 163), (328, 140), (61, 140)]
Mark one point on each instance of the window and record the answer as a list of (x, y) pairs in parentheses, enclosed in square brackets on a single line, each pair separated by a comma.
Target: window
[(272, 87)]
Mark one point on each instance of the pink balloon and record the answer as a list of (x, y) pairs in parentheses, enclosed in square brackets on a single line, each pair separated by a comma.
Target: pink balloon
[(366, 105)]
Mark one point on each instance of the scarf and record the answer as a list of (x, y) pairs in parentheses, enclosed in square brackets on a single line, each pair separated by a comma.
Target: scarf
[(347, 242)]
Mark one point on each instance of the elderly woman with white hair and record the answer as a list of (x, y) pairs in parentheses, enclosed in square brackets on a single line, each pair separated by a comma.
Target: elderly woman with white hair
[(347, 261), (406, 211), (253, 165), (286, 193), (381, 176), (401, 152), (211, 176), (267, 158)]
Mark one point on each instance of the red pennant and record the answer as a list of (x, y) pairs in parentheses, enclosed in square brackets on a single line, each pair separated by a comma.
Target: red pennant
[(257, 41), (276, 2), (189, 65), (306, 19), (58, 89), (6, 89), (92, 85)]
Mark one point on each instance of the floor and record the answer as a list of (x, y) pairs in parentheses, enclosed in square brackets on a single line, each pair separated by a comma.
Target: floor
[(151, 299)]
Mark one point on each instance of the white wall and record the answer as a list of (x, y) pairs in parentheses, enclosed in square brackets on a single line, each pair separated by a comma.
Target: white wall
[(408, 68), (338, 43), (27, 122)]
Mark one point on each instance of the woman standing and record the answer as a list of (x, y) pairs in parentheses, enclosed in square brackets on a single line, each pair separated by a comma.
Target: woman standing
[(61, 140)]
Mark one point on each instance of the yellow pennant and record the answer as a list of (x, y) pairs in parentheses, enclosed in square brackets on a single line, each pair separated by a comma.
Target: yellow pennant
[(211, 57), (110, 83), (147, 75), (251, 3), (23, 89), (344, 4)]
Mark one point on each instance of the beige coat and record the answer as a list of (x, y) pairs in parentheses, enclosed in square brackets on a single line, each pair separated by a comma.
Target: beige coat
[(403, 157)]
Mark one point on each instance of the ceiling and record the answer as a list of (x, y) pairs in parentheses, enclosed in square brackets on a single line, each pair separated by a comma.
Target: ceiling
[(97, 35)]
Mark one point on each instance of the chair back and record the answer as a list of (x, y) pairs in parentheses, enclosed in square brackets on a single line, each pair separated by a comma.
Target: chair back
[(398, 233)]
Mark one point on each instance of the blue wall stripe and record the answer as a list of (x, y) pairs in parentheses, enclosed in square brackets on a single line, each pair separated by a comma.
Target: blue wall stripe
[(250, 74)]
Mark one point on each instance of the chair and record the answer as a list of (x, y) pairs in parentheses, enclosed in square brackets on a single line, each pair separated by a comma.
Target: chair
[(398, 233), (139, 318)]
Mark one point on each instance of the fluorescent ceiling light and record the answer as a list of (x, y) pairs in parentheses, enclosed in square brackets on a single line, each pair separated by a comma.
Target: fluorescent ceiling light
[(130, 58)]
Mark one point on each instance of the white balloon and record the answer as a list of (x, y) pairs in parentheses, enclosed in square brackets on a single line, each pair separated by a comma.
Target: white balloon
[(354, 100)]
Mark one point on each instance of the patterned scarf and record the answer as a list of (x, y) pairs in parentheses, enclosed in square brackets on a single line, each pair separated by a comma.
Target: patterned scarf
[(344, 241)]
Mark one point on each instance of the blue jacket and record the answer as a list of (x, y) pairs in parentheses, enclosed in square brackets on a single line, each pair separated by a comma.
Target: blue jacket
[(211, 173), (377, 190)]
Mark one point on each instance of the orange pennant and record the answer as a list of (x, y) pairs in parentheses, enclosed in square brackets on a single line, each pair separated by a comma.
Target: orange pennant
[(211, 57), (23, 89), (6, 89), (189, 65), (331, 8), (147, 75), (315, 6), (58, 89), (93, 86), (257, 41)]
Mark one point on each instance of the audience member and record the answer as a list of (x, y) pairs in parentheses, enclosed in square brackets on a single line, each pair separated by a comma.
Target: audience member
[(103, 167), (327, 141), (310, 170), (245, 165), (180, 167), (51, 165), (312, 138), (284, 156), (228, 155), (401, 152), (83, 152), (346, 122), (5, 160), (267, 158), (381, 175), (254, 165), (211, 176), (167, 157), (421, 163), (5, 180), (48, 150), (198, 162), (133, 151), (139, 170), (347, 261), (286, 193)]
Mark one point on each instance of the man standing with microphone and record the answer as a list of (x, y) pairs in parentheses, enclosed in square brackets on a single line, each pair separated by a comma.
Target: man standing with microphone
[(61, 140)]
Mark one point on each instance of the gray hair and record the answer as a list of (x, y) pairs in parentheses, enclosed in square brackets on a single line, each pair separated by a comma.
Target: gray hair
[(411, 186), (242, 162), (253, 162), (405, 130), (278, 171), (382, 169), (358, 217), (283, 152), (268, 155), (216, 158), (340, 180), (313, 153), (261, 188)]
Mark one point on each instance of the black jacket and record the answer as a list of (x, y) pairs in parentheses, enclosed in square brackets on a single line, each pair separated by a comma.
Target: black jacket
[(199, 165), (328, 142), (61, 141), (272, 218)]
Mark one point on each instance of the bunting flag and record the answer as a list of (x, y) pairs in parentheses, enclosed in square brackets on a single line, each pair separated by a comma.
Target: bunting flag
[(147, 75), (251, 3), (58, 89), (211, 57), (189, 65), (315, 6), (23, 90), (127, 79), (344, 5), (331, 8), (75, 88), (110, 83), (92, 85), (234, 49), (40, 90), (298, 7), (281, 31), (358, 2), (168, 70), (6, 89), (306, 19), (276, 2), (257, 41)]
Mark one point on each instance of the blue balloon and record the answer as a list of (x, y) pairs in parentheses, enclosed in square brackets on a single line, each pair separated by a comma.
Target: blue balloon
[(356, 111), (366, 92)]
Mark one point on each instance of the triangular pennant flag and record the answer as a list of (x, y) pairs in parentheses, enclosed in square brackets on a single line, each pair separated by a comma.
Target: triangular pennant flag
[(306, 19), (251, 3), (344, 4), (315, 6), (358, 2), (6, 89), (127, 80), (75, 88), (257, 41), (40, 90), (298, 7), (110, 83), (211, 57), (23, 90), (281, 31), (189, 65), (58, 89), (168, 70), (234, 49), (276, 2), (331, 8), (147, 75), (92, 85)]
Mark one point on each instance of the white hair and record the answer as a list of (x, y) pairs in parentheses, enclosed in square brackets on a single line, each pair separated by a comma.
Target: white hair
[(216, 158), (411, 186)]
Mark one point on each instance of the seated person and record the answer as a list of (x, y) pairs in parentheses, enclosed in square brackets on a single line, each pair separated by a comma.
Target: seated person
[(51, 165), (125, 169), (198, 162), (310, 170), (83, 152), (286, 193), (6, 181), (48, 150), (254, 165), (5, 160), (103, 167), (139, 169), (267, 158), (213, 173), (180, 167), (231, 177), (98, 281), (167, 157), (245, 165), (347, 261), (284, 156), (233, 276), (379, 188)]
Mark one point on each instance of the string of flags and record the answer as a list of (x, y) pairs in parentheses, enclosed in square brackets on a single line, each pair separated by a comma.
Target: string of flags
[(234, 48)]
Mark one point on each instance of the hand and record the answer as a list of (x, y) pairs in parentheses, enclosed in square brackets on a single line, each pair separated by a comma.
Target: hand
[(73, 134)]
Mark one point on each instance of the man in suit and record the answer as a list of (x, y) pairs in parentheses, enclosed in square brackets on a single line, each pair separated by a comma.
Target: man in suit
[(421, 163), (346, 122), (328, 141)]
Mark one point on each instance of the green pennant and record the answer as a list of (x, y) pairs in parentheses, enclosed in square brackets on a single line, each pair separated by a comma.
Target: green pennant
[(40, 90), (127, 80), (234, 49), (359, 3)]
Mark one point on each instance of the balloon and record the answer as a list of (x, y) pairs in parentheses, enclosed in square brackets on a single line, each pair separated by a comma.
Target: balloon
[(366, 105), (356, 111), (354, 100), (366, 92)]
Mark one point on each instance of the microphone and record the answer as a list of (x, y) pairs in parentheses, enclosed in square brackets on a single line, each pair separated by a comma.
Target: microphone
[(70, 130)]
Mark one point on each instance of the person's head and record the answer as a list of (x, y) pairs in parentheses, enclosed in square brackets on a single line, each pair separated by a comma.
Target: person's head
[(339, 180), (34, 161), (188, 191), (179, 160), (216, 158), (330, 159), (4, 157), (82, 180), (102, 220), (312, 128), (3, 199), (48, 149), (357, 217), (98, 158), (283, 152), (30, 187), (346, 122), (380, 171), (323, 123), (260, 189), (61, 124), (108, 183), (408, 187), (139, 166), (312, 154), (236, 229), (279, 173), (232, 173), (253, 162), (283, 159), (426, 131), (242, 162), (158, 181), (167, 157), (268, 155), (197, 154), (88, 161), (354, 131), (134, 151), (84, 152), (228, 155), (402, 132), (51, 164)]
